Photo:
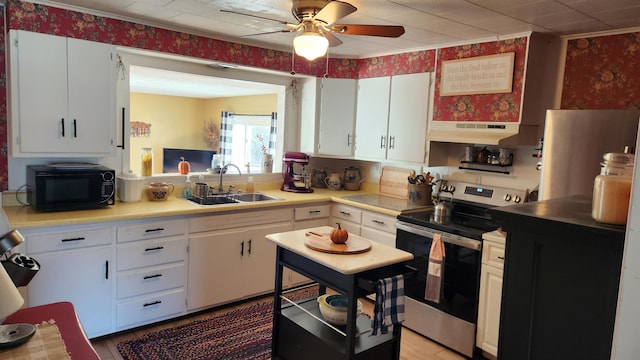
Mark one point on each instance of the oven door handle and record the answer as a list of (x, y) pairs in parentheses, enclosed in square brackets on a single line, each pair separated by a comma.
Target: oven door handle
[(455, 240)]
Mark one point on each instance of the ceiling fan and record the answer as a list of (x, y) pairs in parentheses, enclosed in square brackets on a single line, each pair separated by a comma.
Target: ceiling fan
[(317, 25)]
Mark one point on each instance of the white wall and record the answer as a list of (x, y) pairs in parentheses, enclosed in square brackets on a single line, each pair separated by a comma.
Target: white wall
[(626, 337)]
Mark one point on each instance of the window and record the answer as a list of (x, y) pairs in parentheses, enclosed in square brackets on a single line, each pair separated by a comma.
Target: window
[(250, 140)]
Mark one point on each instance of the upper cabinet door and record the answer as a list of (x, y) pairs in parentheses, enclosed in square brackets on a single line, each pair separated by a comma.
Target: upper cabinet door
[(337, 117), (408, 110), (91, 95), (372, 117), (62, 96), (38, 91)]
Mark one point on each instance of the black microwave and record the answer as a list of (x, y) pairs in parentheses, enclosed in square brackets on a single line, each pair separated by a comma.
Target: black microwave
[(60, 187)]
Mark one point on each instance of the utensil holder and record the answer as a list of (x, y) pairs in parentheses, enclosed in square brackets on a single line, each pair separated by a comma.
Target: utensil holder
[(420, 194)]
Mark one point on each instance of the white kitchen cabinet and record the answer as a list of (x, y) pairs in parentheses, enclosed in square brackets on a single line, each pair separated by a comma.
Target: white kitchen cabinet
[(368, 224), (229, 257), (61, 96), (408, 107), (311, 216), (76, 266), (349, 217), (305, 217), (372, 118), (337, 117), (391, 117), (379, 227), (490, 297), (151, 271)]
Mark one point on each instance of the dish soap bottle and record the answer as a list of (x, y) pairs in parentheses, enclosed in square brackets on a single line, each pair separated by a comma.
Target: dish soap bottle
[(250, 187), (188, 192)]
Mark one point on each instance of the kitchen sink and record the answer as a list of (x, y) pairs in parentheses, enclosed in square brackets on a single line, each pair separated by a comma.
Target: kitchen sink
[(232, 199), (252, 197)]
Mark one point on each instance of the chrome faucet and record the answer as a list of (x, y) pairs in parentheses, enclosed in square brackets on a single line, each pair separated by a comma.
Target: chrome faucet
[(222, 171)]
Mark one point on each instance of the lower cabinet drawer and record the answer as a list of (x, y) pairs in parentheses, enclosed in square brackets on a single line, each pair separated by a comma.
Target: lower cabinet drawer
[(379, 221), (152, 252), (134, 283), (152, 308)]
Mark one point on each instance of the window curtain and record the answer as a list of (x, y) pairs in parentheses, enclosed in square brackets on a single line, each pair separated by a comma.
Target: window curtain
[(226, 131), (272, 133)]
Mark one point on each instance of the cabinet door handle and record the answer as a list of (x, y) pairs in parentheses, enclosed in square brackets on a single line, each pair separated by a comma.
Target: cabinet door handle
[(154, 248), (348, 139), (501, 257), (377, 222), (314, 211), (73, 239), (345, 213), (249, 251), (75, 129), (122, 146), (154, 230), (62, 122), (106, 271), (392, 142), (151, 276), (242, 249), (382, 137), (153, 303)]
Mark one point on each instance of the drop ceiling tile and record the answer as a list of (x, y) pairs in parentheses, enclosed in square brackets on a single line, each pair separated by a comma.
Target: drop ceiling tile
[(531, 11), (436, 7), (147, 9), (591, 6)]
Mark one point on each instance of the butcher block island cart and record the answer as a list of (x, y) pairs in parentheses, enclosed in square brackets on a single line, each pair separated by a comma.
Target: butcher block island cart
[(300, 331)]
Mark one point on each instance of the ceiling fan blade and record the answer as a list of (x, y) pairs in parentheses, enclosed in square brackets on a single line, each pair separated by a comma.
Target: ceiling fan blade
[(258, 17), (333, 40), (334, 11), (268, 33), (370, 30)]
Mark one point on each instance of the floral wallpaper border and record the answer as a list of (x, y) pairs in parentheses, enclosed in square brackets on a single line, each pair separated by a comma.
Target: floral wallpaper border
[(46, 19)]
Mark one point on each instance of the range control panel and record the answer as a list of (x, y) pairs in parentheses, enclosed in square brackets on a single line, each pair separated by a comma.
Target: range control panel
[(484, 194)]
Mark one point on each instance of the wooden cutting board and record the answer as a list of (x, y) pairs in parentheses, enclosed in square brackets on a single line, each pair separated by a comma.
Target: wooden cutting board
[(321, 242), (394, 183)]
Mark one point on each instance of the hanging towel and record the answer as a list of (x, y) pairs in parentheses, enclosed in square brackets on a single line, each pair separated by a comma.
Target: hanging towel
[(388, 309), (435, 271)]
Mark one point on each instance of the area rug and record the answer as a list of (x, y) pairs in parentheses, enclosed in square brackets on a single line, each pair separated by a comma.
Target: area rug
[(240, 334)]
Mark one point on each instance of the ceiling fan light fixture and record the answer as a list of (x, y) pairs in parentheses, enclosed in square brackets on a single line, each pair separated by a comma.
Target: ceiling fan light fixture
[(310, 45)]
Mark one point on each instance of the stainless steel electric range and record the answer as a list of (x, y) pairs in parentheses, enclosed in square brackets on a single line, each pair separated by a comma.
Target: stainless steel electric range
[(452, 320)]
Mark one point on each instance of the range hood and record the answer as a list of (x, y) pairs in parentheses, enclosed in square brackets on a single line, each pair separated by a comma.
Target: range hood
[(483, 133)]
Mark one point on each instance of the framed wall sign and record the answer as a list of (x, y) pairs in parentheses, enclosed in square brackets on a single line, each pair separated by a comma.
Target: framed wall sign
[(491, 74)]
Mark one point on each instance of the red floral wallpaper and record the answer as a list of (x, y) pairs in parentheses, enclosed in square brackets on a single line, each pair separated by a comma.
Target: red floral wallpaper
[(489, 107), (602, 73)]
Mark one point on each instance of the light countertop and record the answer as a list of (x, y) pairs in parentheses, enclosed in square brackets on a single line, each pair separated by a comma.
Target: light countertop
[(23, 217), (380, 255)]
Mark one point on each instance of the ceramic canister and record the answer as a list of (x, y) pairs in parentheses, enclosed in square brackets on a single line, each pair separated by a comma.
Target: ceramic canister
[(130, 187)]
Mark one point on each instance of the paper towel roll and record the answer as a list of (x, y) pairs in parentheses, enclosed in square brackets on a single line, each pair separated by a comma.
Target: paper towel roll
[(10, 299)]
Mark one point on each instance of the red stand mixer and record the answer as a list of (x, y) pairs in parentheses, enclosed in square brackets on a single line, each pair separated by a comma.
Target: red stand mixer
[(290, 159)]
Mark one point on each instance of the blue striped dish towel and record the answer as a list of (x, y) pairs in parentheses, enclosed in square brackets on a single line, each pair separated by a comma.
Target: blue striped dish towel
[(388, 309)]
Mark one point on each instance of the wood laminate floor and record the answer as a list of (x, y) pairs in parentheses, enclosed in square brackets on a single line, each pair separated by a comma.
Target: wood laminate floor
[(413, 346)]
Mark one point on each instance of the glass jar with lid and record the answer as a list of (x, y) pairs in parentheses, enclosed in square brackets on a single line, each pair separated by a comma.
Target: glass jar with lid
[(612, 189), (146, 161)]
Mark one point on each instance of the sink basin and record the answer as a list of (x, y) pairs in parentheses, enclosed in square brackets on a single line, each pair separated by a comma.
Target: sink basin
[(213, 200), (232, 199), (252, 197)]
